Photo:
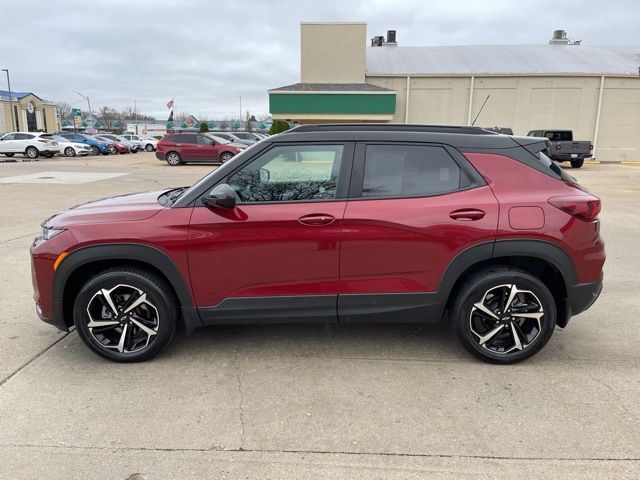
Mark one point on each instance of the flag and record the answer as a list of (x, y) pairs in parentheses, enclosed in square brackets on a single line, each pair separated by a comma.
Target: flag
[(170, 103), (170, 117)]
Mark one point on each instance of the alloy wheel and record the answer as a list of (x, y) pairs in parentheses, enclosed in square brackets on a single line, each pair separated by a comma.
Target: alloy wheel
[(173, 159), (507, 319), (122, 319), (32, 152), (69, 152)]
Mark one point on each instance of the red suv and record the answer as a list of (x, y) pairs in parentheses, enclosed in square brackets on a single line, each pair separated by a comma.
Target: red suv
[(335, 223), (179, 148)]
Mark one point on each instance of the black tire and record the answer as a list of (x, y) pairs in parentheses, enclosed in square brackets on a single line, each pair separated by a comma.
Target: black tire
[(9, 154), (149, 147), (95, 150), (48, 155), (488, 287), (174, 159), (70, 152), (118, 281), (577, 163), (226, 156), (32, 153)]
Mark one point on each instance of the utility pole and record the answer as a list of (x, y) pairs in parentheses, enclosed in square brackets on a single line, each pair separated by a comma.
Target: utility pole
[(86, 99), (240, 118), (135, 113), (13, 122)]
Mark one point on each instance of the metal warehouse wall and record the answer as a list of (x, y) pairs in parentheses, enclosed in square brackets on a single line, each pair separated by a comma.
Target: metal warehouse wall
[(528, 103)]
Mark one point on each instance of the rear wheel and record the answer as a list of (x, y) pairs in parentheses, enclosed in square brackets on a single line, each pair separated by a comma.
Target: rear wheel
[(70, 152), (32, 152), (504, 315), (149, 148), (174, 159), (126, 315), (226, 156), (577, 163)]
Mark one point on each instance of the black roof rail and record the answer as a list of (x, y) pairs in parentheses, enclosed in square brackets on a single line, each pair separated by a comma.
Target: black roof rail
[(368, 127)]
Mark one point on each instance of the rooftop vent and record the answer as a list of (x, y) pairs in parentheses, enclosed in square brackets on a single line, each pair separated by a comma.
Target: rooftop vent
[(377, 41), (560, 38)]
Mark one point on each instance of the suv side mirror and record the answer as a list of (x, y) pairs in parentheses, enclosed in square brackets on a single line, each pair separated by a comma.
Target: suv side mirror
[(221, 196)]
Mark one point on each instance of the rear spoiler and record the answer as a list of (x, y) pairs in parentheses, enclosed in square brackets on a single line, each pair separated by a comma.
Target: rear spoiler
[(534, 144)]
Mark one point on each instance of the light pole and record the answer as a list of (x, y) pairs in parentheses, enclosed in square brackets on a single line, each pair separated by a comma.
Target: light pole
[(86, 99), (135, 114), (13, 124), (240, 118)]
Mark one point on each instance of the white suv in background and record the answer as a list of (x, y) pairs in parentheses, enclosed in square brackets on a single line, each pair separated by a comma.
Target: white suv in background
[(148, 143), (30, 144)]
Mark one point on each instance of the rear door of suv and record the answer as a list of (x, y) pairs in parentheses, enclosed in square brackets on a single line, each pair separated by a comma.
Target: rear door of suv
[(412, 208)]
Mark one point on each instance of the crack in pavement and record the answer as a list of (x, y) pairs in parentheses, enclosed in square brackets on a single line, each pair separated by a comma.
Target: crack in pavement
[(240, 402), (18, 238), (32, 359), (323, 452)]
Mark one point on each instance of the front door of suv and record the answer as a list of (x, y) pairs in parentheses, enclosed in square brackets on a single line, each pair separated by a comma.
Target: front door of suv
[(412, 208), (275, 255)]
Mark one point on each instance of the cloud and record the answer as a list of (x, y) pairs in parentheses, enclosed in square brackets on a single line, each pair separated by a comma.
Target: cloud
[(208, 54)]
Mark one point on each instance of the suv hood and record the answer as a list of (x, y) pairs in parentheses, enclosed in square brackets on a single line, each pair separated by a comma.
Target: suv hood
[(123, 208)]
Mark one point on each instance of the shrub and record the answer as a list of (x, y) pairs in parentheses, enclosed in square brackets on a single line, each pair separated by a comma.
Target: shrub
[(278, 126)]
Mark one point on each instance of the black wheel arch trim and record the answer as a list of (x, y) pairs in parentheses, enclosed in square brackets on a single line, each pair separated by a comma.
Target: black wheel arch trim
[(125, 251)]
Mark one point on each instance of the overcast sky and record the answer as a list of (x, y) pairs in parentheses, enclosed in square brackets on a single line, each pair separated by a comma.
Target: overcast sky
[(206, 54)]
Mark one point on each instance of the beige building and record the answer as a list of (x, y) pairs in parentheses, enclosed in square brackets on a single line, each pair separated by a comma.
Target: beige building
[(592, 90), (30, 113)]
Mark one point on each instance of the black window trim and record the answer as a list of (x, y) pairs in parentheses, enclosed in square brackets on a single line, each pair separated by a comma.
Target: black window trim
[(344, 175), (357, 177)]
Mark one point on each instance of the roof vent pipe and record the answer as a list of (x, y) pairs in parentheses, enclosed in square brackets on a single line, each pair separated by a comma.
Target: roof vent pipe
[(391, 36)]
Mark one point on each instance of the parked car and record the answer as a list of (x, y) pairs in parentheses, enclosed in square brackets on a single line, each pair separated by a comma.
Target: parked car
[(231, 137), (250, 136), (97, 146), (146, 143), (179, 148), (30, 144), (373, 223), (133, 147), (118, 147), (564, 148), (239, 146), (71, 149)]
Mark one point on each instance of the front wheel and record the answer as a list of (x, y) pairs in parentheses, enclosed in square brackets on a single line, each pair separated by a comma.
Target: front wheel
[(126, 315), (577, 163), (149, 148), (226, 156), (32, 152), (70, 152), (95, 150), (504, 315), (174, 159)]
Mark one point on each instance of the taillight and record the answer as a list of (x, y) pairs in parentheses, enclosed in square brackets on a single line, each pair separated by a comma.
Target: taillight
[(591, 146), (557, 146), (42, 140), (585, 207)]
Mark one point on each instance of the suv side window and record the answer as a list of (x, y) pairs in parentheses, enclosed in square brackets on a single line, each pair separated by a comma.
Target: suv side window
[(22, 136), (410, 171), (189, 138), (204, 140), (290, 173), (9, 136)]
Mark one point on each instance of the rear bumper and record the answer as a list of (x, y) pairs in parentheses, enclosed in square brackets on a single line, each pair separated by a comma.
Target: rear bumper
[(583, 295), (566, 157)]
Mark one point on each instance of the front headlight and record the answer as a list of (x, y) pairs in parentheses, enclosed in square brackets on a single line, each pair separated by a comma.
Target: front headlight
[(48, 232)]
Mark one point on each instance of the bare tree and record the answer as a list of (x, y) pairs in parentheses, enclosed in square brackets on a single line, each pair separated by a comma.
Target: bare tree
[(64, 109)]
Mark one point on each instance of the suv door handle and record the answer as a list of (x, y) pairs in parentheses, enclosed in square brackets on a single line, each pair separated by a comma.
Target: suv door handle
[(467, 214), (316, 219)]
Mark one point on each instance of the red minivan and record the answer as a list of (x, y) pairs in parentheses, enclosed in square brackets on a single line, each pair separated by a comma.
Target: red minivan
[(335, 223), (179, 148)]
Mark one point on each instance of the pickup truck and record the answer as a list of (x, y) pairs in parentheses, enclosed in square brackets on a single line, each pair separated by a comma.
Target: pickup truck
[(563, 148)]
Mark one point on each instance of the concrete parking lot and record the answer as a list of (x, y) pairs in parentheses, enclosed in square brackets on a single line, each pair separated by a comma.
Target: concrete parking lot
[(312, 401)]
